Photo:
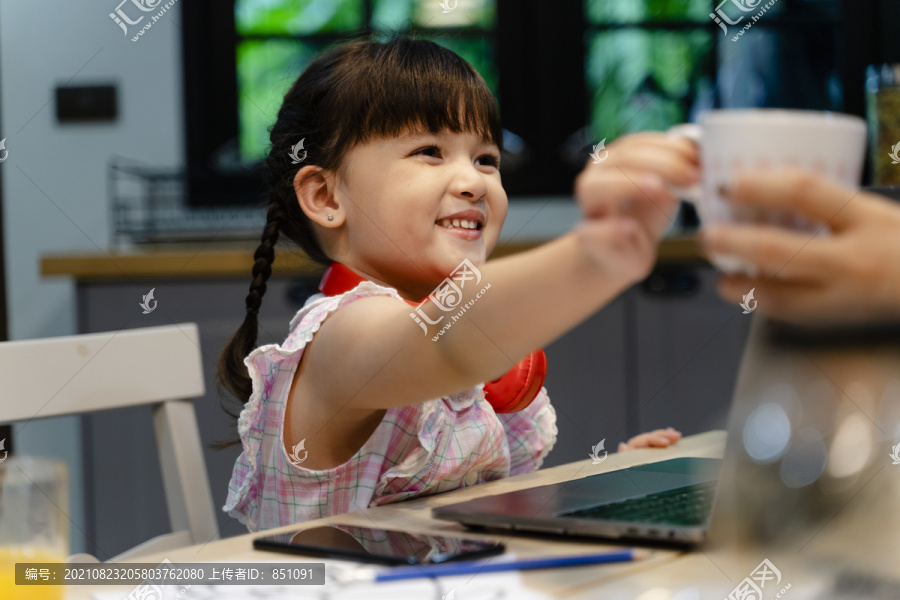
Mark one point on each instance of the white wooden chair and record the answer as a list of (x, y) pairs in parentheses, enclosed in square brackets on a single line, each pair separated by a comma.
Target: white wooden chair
[(160, 366)]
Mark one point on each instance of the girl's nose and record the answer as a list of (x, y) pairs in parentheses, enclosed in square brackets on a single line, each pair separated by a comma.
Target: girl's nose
[(468, 182)]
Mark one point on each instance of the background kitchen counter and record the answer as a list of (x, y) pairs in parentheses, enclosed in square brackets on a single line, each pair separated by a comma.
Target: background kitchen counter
[(235, 259)]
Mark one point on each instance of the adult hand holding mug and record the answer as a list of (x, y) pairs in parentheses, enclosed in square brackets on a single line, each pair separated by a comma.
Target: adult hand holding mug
[(783, 214), (734, 142), (850, 276)]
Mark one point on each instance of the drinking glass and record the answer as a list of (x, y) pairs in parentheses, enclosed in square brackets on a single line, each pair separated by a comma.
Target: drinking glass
[(33, 522)]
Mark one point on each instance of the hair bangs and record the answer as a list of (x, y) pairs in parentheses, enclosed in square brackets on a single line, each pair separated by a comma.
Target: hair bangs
[(420, 86)]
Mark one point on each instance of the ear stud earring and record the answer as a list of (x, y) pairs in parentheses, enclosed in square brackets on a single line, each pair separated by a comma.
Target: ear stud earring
[(331, 217)]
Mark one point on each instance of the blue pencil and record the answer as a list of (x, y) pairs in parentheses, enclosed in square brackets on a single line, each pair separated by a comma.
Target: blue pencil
[(472, 567)]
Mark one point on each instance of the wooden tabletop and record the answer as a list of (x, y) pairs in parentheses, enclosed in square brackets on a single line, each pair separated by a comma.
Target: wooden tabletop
[(414, 516), (235, 259)]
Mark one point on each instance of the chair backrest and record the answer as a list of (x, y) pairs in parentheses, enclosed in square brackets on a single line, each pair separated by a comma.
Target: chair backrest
[(83, 373), (160, 366)]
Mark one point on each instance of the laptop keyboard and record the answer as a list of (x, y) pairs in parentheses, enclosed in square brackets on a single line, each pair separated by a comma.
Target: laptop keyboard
[(687, 506)]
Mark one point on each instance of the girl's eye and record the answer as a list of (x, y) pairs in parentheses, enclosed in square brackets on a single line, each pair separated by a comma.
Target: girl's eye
[(491, 160), (434, 149)]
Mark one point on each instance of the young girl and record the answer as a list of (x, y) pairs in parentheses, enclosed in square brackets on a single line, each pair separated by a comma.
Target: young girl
[(398, 188)]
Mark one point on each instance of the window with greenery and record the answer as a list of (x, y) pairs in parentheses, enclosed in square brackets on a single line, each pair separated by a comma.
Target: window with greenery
[(277, 39), (565, 74), (645, 62)]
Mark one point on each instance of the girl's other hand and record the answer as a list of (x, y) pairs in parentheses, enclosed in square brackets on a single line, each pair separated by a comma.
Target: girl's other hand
[(660, 438)]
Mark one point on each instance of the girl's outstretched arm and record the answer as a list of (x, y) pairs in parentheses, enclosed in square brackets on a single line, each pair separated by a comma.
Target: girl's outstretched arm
[(372, 355)]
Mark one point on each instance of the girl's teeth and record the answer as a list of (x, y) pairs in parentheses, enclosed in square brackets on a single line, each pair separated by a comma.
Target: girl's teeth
[(463, 224)]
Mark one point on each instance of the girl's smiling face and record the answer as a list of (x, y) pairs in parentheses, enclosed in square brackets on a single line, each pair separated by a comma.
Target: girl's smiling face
[(415, 206)]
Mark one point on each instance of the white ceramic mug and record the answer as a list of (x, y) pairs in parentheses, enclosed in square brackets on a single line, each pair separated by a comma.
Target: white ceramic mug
[(732, 141)]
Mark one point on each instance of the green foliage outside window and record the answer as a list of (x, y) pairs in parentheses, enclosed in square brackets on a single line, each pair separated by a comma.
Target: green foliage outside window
[(640, 79), (636, 11), (645, 61), (266, 66), (297, 17)]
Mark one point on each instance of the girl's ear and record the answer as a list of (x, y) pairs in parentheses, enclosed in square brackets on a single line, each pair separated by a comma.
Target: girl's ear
[(315, 193)]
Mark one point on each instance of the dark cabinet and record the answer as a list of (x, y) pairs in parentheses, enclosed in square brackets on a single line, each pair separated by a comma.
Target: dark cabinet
[(688, 343)]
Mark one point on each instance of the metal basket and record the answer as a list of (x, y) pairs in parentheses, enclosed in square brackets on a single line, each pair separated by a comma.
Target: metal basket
[(149, 204)]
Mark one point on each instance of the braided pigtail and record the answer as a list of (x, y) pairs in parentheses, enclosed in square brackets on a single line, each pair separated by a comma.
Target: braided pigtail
[(232, 373)]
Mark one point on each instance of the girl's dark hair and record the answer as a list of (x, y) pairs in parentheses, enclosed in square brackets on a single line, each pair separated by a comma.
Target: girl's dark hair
[(350, 94)]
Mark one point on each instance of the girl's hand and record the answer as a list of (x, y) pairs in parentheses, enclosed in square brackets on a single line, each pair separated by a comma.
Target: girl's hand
[(674, 159), (626, 201), (660, 438), (849, 276)]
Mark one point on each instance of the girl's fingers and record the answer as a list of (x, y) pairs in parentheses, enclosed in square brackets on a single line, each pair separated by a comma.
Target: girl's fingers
[(660, 438), (671, 143), (604, 192), (669, 165), (653, 204), (663, 437), (668, 432), (671, 433), (609, 192)]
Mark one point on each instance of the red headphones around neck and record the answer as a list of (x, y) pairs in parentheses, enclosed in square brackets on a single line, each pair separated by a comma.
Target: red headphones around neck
[(510, 393)]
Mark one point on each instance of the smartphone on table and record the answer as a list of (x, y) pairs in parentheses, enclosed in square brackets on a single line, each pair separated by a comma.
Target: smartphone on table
[(379, 546)]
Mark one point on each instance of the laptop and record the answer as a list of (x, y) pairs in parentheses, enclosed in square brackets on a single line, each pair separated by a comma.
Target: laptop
[(667, 501), (672, 501)]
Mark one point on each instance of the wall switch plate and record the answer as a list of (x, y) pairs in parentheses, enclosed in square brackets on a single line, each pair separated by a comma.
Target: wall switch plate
[(80, 104)]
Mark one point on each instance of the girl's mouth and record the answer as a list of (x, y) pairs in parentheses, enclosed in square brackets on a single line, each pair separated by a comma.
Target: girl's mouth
[(460, 224), (463, 228)]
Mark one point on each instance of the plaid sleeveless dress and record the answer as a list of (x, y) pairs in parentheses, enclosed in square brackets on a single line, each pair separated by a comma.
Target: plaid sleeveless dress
[(427, 448)]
